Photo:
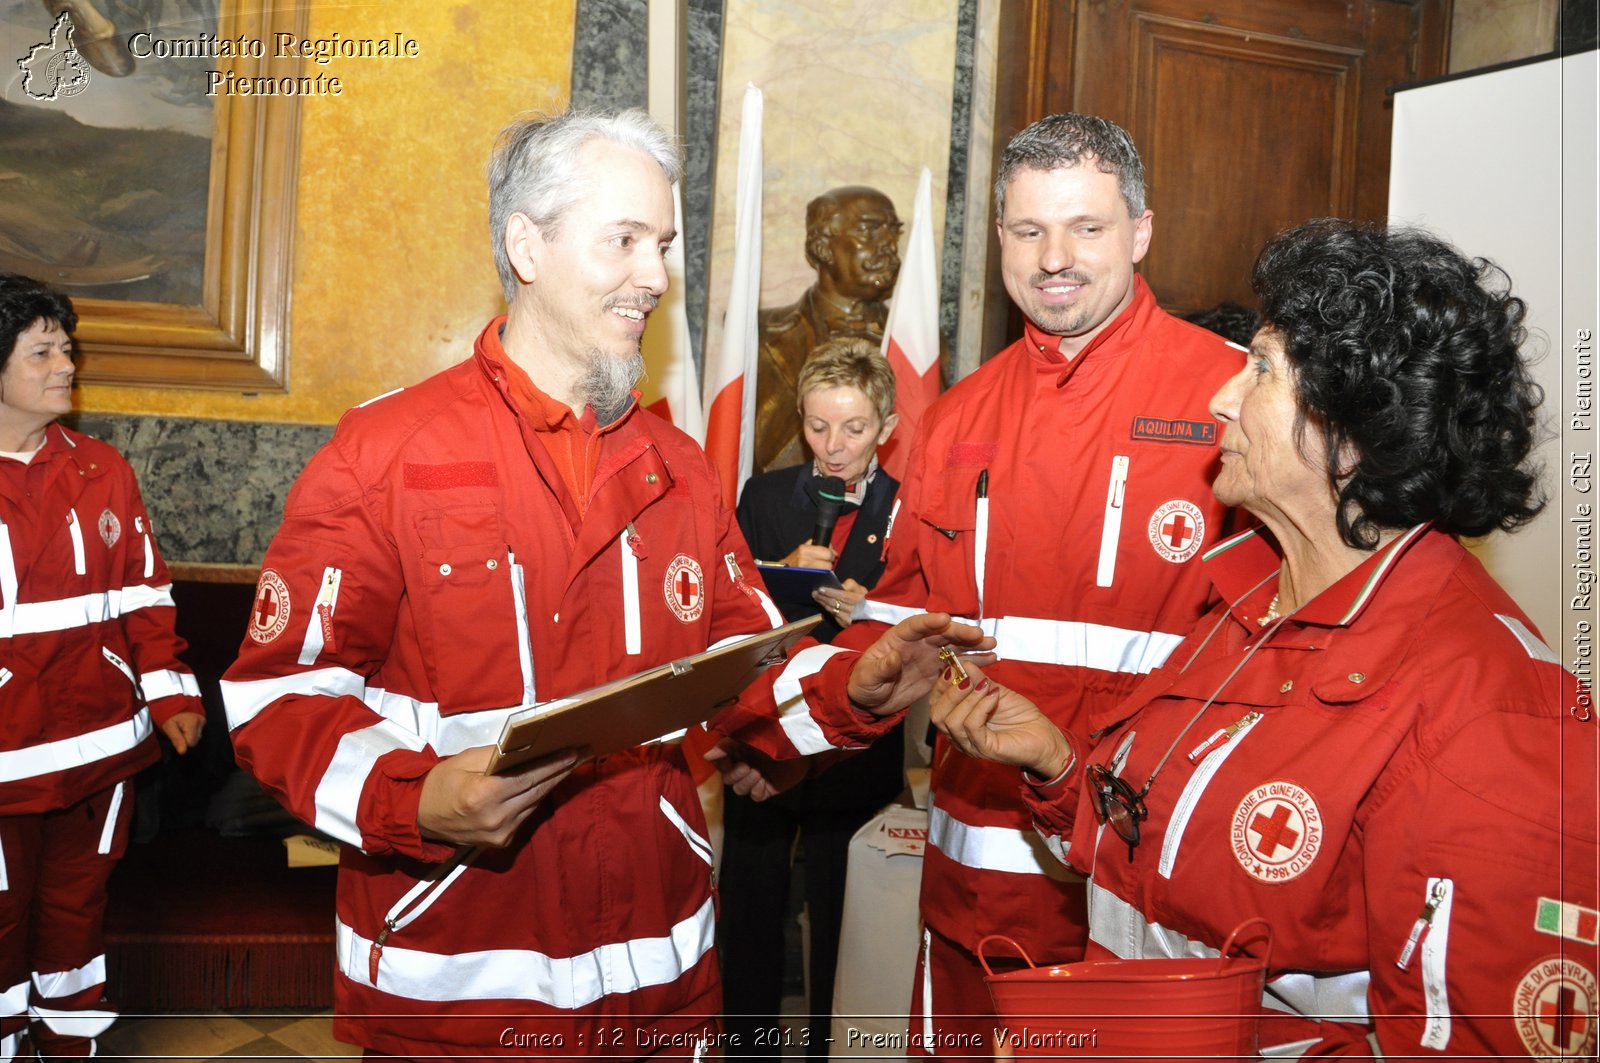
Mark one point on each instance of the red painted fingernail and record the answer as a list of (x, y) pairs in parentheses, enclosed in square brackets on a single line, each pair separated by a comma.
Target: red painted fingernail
[(965, 683), (983, 684), (947, 675)]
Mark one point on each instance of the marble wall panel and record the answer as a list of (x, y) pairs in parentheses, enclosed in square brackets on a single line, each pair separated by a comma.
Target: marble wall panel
[(1485, 32), (609, 54), (215, 489), (857, 92)]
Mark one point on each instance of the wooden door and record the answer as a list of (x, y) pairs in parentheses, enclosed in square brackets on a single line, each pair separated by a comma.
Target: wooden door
[(1251, 115)]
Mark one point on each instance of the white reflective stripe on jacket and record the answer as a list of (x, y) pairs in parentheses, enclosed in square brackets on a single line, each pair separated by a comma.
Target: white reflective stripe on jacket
[(566, 982), (1060, 642), (64, 753), (1021, 852)]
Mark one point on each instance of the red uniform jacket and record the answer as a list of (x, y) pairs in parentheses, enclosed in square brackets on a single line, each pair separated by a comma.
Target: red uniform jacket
[(432, 575), (1400, 779), (1097, 488), (88, 653)]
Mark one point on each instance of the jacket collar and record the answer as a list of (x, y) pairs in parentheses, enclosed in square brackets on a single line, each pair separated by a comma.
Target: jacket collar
[(495, 364), (1044, 348), (1322, 649), (1240, 568)]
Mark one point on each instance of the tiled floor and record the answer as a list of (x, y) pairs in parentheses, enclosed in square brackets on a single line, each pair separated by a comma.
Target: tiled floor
[(224, 1036), (231, 1036)]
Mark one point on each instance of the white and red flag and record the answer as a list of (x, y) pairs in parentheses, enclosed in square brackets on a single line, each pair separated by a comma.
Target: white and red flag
[(911, 335), (730, 384)]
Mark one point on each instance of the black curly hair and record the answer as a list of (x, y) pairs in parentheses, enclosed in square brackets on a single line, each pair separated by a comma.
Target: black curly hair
[(24, 301), (1406, 351), (1232, 322)]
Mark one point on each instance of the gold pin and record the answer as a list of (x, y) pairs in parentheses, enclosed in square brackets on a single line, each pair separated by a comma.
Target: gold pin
[(948, 656)]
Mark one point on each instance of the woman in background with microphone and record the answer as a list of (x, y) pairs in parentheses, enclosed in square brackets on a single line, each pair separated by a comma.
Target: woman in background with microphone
[(831, 512)]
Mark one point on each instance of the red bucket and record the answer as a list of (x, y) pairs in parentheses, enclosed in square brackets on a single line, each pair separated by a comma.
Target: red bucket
[(1133, 1009)]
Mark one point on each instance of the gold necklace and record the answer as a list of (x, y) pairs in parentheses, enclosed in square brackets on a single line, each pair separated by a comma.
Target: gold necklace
[(1272, 611)]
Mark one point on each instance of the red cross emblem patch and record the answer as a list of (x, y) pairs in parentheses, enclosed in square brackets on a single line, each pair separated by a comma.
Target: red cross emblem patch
[(269, 613), (1554, 1006), (685, 588), (1276, 831), (110, 528), (1177, 529)]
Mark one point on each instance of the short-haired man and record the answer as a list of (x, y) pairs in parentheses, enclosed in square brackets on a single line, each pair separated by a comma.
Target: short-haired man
[(852, 241), (510, 531), (1060, 495)]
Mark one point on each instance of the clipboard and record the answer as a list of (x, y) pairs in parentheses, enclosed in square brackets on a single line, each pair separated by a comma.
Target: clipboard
[(643, 707), (791, 583)]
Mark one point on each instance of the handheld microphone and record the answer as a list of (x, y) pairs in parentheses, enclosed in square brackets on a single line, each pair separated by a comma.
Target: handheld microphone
[(828, 491)]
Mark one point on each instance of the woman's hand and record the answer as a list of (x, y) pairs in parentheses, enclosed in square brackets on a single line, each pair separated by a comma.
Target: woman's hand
[(991, 722), (901, 666), (810, 555), (840, 603), (183, 730)]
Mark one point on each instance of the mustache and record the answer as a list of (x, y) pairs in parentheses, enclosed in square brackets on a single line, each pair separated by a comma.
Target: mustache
[(643, 302), (1074, 276)]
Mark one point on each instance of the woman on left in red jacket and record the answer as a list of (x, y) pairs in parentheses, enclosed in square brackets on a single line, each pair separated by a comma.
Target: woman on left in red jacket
[(88, 670)]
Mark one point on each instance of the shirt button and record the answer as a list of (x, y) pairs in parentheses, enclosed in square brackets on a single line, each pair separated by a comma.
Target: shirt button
[(871, 539), (1288, 685), (444, 569), (1358, 677), (650, 477), (493, 564), (556, 619)]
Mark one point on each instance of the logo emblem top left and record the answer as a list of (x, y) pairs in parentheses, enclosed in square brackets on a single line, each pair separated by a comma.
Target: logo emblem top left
[(269, 613)]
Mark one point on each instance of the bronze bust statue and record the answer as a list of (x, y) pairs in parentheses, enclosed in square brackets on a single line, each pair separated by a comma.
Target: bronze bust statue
[(852, 241)]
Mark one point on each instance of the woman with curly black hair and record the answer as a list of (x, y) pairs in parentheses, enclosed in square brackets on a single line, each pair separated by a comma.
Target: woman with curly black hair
[(1366, 744)]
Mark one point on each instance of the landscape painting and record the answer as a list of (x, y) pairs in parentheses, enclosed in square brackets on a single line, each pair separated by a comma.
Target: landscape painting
[(105, 155)]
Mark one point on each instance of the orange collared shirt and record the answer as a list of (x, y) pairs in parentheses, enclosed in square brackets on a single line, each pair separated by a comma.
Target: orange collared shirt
[(573, 441)]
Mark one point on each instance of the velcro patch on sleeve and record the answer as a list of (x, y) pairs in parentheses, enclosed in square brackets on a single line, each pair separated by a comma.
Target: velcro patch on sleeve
[(453, 474), (972, 454)]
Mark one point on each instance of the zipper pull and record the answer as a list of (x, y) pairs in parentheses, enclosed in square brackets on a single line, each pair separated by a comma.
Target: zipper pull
[(1424, 923), (376, 952), (325, 599), (635, 543), (737, 576), (1221, 736), (743, 585), (325, 615)]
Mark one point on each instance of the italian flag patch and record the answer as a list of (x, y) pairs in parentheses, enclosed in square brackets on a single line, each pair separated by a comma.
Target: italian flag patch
[(1564, 920)]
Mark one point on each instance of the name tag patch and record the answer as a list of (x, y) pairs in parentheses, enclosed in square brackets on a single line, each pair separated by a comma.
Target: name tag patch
[(1161, 430)]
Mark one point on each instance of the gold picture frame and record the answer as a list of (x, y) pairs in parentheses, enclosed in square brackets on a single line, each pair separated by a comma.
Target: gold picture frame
[(236, 339)]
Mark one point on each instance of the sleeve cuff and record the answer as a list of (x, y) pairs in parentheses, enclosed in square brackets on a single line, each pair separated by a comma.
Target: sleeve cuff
[(1043, 785), (394, 793), (845, 724), (164, 709)]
